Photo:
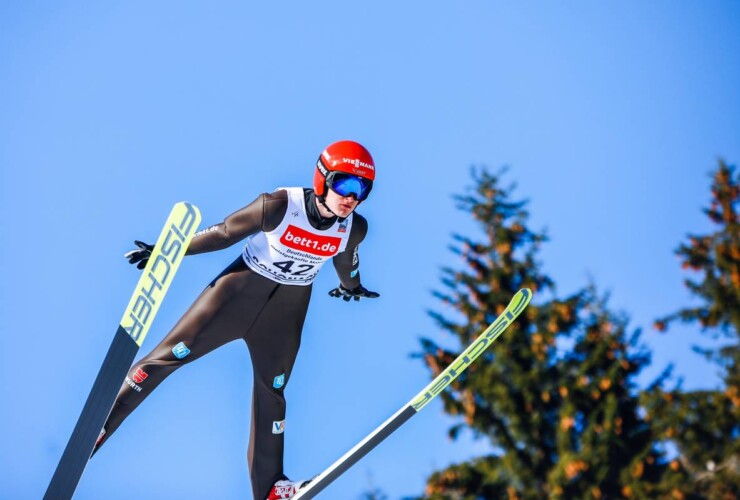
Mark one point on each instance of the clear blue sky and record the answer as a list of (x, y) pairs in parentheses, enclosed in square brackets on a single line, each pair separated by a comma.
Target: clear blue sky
[(610, 114)]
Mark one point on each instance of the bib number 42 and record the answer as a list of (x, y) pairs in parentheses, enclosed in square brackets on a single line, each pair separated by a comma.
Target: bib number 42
[(286, 266)]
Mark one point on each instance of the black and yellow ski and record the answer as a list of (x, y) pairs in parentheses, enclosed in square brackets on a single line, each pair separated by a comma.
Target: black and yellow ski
[(418, 402), (142, 308)]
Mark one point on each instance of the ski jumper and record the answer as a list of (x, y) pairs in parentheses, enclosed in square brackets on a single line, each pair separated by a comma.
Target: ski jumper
[(262, 298)]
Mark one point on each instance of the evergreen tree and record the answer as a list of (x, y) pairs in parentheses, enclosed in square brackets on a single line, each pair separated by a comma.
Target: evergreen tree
[(555, 396), (705, 425)]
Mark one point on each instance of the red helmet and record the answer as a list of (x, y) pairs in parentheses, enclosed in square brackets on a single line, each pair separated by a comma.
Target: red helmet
[(344, 157)]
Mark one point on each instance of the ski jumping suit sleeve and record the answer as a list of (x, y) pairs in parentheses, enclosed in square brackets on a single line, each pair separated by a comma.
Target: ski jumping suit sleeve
[(237, 304), (347, 263)]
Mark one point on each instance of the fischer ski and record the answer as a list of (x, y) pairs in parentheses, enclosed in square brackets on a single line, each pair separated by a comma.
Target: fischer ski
[(153, 284), (518, 303)]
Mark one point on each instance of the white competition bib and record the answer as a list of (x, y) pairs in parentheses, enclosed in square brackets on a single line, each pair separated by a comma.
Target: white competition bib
[(294, 252)]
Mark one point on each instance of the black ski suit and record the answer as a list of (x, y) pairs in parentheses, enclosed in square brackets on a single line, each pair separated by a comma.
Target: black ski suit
[(241, 304)]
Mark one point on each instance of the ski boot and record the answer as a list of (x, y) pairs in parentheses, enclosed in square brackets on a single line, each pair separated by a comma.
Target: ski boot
[(285, 489)]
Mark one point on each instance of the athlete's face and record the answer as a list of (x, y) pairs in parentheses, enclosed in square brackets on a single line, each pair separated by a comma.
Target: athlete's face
[(340, 205)]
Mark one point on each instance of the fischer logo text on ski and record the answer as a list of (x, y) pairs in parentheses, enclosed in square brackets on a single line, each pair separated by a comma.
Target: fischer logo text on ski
[(157, 275)]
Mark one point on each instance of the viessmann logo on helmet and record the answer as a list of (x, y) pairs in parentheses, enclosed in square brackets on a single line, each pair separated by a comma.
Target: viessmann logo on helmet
[(351, 161), (357, 163), (316, 244)]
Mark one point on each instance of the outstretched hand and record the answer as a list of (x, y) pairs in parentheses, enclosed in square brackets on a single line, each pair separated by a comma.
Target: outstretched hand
[(140, 255), (353, 293)]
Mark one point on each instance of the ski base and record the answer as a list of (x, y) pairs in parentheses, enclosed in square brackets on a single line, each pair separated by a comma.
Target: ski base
[(94, 414)]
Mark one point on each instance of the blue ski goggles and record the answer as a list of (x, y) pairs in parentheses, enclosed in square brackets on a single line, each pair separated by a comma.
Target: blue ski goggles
[(348, 185)]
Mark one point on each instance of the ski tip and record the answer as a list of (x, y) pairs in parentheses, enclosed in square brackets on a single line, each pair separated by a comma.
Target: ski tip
[(521, 300), (189, 207), (526, 293)]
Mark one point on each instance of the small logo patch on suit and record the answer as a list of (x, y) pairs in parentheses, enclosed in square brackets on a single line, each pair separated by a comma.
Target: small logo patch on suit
[(131, 384), (140, 376), (100, 436), (279, 381), (180, 350), (278, 427)]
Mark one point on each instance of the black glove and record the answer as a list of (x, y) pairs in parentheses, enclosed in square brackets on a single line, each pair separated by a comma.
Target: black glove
[(354, 293), (141, 255)]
